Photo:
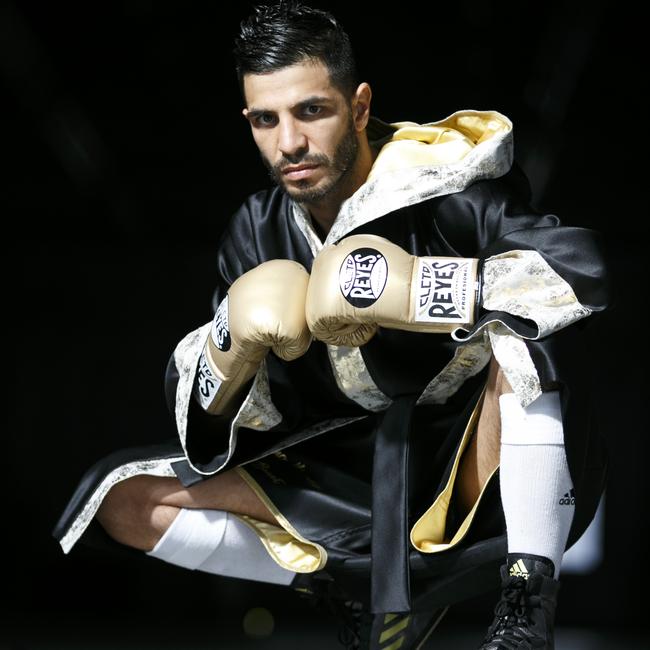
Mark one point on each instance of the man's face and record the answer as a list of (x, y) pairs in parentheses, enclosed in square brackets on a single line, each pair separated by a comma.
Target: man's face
[(303, 128)]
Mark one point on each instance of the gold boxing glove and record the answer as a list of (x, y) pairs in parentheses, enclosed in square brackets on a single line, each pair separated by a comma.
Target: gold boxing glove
[(263, 309), (366, 281)]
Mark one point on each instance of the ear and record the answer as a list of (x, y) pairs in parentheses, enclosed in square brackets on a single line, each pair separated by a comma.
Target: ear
[(361, 106)]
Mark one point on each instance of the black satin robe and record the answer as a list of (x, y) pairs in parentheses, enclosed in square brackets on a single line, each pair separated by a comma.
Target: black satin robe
[(330, 502)]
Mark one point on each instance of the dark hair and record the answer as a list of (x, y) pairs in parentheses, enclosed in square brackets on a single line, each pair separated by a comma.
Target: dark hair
[(288, 32)]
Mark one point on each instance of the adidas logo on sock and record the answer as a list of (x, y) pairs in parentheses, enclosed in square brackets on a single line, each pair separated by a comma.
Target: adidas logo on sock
[(519, 569), (569, 499)]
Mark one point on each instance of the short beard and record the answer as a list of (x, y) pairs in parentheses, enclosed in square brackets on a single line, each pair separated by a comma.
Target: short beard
[(343, 163)]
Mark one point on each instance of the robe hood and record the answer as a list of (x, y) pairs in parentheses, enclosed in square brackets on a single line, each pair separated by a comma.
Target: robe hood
[(408, 145), (416, 162)]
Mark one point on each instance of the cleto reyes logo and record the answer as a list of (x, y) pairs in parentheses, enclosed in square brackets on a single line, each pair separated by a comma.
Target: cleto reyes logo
[(362, 276), (220, 333), (443, 289)]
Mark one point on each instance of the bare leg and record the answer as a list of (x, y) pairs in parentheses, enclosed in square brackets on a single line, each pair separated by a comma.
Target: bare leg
[(137, 511), (483, 452)]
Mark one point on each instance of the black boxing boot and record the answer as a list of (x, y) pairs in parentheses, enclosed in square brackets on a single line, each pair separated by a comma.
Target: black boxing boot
[(525, 614), (361, 630)]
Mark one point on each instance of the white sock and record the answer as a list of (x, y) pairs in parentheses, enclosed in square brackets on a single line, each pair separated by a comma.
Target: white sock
[(218, 542), (536, 488)]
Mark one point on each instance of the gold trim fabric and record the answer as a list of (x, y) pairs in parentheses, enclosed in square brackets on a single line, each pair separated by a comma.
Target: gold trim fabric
[(156, 467), (429, 534), (257, 411), (468, 360), (421, 161), (349, 369), (522, 283), (353, 378)]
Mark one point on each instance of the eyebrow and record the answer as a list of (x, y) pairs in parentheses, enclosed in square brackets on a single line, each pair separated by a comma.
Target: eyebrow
[(314, 99)]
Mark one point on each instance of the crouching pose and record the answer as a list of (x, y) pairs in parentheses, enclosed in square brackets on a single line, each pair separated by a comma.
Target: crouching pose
[(386, 411)]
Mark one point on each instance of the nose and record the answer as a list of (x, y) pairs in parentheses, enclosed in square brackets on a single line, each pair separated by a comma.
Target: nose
[(292, 141)]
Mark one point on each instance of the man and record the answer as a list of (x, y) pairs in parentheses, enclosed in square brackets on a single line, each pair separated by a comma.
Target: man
[(387, 404)]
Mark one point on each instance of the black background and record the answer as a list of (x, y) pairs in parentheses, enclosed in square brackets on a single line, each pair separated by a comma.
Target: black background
[(124, 153)]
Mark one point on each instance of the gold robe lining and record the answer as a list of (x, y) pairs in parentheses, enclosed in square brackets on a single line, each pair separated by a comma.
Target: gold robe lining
[(284, 544), (428, 532)]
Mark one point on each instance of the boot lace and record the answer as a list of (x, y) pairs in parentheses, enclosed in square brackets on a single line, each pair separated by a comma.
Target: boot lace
[(511, 626), (354, 633), (356, 621)]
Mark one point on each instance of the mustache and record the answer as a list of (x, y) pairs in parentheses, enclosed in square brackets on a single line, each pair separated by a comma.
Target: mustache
[(314, 159)]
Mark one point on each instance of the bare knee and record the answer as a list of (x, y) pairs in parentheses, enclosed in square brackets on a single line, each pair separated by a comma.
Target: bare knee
[(131, 512)]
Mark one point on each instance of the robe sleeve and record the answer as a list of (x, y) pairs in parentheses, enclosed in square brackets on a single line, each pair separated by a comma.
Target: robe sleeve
[(539, 277), (209, 440)]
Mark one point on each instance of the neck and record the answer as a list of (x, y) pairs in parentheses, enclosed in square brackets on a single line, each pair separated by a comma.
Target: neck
[(324, 214)]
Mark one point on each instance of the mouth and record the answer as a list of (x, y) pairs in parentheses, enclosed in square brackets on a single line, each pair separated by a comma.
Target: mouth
[(297, 172)]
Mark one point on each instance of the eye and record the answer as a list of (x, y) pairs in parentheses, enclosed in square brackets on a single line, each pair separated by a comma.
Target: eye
[(265, 119), (313, 109)]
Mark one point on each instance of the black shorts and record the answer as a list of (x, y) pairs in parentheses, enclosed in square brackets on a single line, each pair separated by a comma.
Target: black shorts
[(320, 491)]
